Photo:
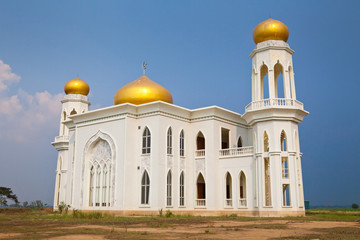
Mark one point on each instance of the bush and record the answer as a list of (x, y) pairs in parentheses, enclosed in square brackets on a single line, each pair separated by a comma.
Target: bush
[(63, 206), (160, 212), (168, 213), (355, 206)]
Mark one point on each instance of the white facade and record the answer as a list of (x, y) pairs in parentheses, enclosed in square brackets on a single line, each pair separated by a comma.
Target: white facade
[(200, 166)]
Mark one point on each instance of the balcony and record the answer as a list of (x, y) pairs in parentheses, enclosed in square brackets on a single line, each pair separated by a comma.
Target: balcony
[(61, 138), (200, 202), (274, 103), (200, 153), (242, 202), (236, 151)]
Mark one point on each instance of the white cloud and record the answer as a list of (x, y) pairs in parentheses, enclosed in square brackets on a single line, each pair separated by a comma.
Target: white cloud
[(24, 117), (7, 76)]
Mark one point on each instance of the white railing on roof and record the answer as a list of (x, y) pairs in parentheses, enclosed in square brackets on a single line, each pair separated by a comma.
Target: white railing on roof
[(274, 102), (236, 151), (200, 153), (61, 138)]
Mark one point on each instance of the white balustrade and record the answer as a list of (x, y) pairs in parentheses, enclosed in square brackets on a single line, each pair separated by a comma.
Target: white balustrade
[(274, 102), (242, 202), (236, 151), (228, 202), (200, 153), (61, 138), (200, 202)]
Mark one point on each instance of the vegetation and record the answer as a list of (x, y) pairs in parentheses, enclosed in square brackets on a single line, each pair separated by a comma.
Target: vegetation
[(355, 206), (7, 194)]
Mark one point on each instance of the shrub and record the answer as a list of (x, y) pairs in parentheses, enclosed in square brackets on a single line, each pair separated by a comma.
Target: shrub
[(63, 206), (355, 206), (168, 213), (160, 212)]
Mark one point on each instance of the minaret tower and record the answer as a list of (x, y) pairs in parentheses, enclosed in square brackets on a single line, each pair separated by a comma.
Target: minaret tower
[(274, 115), (75, 102)]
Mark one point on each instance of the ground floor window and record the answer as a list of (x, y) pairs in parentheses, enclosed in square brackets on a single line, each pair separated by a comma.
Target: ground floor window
[(182, 189), (145, 188)]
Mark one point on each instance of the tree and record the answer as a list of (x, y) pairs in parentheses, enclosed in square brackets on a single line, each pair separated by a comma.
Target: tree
[(355, 206), (5, 194)]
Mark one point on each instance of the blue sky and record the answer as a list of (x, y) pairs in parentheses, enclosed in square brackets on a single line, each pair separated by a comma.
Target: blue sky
[(199, 51)]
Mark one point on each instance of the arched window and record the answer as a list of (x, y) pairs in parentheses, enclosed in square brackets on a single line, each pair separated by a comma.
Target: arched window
[(228, 188), (91, 195), (239, 142), (242, 201), (145, 188), (182, 189), (283, 141), (73, 112), (200, 141), (264, 83), (168, 189), (97, 189), (201, 190), (182, 144), (146, 144), (169, 141), (266, 142), (279, 81)]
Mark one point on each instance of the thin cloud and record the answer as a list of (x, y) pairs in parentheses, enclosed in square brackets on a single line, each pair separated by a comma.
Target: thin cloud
[(7, 77)]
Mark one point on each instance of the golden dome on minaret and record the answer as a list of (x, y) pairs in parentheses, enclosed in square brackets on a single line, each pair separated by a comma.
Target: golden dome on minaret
[(142, 90), (77, 86), (270, 29)]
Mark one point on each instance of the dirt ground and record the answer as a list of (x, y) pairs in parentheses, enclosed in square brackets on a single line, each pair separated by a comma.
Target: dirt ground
[(44, 225)]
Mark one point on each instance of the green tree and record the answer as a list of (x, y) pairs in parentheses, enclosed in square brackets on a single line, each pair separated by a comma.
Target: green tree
[(355, 206), (6, 194)]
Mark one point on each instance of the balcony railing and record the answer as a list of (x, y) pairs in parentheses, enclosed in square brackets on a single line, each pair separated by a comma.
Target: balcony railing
[(274, 102), (200, 153), (228, 202), (61, 138), (200, 202), (236, 151), (242, 202)]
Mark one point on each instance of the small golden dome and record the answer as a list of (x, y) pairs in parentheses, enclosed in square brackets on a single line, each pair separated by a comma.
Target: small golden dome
[(270, 29), (77, 86), (142, 90)]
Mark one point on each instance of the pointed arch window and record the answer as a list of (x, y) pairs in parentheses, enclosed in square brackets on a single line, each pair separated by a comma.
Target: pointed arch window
[(266, 142), (104, 186), (98, 186), (201, 191), (242, 200), (146, 143), (169, 141), (228, 190), (283, 141), (182, 189), (91, 195), (182, 143), (200, 145), (169, 189), (239, 142), (73, 112), (145, 188)]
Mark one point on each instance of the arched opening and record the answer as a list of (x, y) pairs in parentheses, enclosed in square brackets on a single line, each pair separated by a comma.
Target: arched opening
[(225, 138), (228, 190), (145, 188), (98, 186), (182, 189), (200, 190), (91, 191), (242, 201), (169, 189), (283, 141), (182, 143), (264, 82), (239, 142), (266, 142), (279, 81), (169, 141), (200, 141), (73, 112), (105, 187), (146, 143)]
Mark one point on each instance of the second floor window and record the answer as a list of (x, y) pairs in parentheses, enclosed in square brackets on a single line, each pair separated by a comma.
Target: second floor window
[(169, 141), (146, 141), (182, 144)]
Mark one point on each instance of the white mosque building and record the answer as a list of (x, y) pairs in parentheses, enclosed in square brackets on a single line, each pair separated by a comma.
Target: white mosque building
[(145, 153)]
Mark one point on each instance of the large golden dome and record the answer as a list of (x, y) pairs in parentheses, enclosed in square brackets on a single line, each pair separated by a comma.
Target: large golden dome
[(77, 86), (270, 29), (142, 90)]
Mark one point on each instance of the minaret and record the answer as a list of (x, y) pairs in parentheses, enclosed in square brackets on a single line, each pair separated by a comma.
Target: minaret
[(274, 117), (75, 102)]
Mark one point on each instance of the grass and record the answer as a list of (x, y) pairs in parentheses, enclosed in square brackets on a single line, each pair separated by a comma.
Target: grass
[(44, 224)]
